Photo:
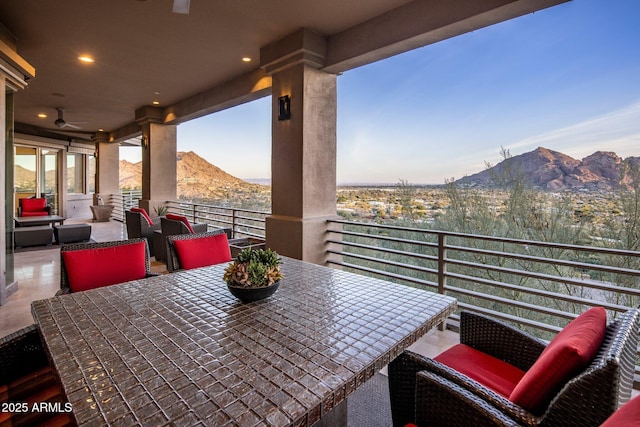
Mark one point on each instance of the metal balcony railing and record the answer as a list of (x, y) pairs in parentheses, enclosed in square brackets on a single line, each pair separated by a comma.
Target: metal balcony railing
[(243, 222), (122, 201), (537, 285)]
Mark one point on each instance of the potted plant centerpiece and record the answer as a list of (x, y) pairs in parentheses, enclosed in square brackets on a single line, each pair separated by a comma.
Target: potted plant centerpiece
[(254, 275)]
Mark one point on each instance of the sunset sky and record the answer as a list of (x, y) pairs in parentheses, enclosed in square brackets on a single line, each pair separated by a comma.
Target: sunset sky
[(565, 78)]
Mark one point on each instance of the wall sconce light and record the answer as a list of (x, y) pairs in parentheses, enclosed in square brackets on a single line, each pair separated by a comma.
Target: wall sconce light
[(144, 141), (284, 108)]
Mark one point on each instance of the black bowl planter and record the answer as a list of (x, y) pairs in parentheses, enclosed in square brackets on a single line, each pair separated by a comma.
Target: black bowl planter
[(253, 294)]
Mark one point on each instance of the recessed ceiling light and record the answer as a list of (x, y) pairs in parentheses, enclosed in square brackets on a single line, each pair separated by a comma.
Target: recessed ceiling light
[(86, 59), (156, 102), (42, 115), (246, 59)]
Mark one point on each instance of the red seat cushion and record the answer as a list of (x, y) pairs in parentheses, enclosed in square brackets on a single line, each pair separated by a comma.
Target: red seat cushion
[(144, 213), (628, 415), (38, 213), (182, 218), (210, 250), (94, 268), (489, 371), (567, 354)]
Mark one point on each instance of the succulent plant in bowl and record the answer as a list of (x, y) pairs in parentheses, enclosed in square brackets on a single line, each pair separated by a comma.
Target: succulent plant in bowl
[(253, 269)]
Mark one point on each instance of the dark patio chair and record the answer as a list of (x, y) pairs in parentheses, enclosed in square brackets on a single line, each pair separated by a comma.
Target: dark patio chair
[(427, 392), (138, 226), (187, 251), (172, 227), (85, 266), (26, 378)]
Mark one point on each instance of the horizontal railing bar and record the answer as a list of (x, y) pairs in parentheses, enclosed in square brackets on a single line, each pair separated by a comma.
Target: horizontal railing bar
[(510, 318), (386, 238), (385, 250), (511, 303), (538, 292), (385, 274), (566, 263), (549, 277), (387, 262)]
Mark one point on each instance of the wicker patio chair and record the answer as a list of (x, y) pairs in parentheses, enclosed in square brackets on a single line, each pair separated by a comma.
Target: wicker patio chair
[(64, 275), (172, 227), (27, 378), (138, 227), (426, 392), (222, 255)]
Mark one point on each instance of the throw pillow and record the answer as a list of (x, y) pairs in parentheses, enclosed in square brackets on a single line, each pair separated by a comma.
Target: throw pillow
[(567, 354)]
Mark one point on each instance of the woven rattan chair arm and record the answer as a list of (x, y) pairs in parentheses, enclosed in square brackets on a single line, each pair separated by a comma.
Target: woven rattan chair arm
[(500, 403), (441, 402), (21, 352), (500, 340)]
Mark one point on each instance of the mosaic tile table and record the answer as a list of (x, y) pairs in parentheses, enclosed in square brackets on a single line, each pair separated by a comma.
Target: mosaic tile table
[(179, 349)]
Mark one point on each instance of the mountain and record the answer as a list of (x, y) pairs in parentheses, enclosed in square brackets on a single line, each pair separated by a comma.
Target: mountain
[(554, 171), (196, 178)]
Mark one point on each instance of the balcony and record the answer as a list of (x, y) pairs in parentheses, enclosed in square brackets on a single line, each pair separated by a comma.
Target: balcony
[(538, 285)]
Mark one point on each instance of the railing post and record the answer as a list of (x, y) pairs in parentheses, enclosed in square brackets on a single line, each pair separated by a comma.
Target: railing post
[(233, 223), (442, 269)]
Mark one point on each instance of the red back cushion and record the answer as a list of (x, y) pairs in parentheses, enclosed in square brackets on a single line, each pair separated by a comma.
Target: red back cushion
[(144, 213), (182, 218), (566, 355), (489, 371), (94, 268), (210, 250), (33, 205)]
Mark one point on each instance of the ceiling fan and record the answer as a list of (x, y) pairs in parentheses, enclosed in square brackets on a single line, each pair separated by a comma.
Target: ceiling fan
[(181, 6), (61, 123)]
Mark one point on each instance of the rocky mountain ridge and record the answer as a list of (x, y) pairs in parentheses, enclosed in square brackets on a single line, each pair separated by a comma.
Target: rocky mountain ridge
[(553, 171), (196, 178)]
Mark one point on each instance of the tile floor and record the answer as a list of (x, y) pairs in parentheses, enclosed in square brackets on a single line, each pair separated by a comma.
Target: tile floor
[(38, 276)]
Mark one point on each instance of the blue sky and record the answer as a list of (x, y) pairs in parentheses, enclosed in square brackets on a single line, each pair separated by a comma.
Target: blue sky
[(565, 78)]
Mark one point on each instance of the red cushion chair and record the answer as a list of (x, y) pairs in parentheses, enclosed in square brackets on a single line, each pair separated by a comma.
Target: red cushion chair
[(87, 266), (187, 251), (571, 378), (139, 225), (35, 206), (172, 225), (183, 219)]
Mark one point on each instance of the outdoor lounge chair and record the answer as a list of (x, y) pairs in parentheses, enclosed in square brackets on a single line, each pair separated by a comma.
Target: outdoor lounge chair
[(26, 378), (426, 392), (140, 225), (187, 251), (172, 226), (85, 266)]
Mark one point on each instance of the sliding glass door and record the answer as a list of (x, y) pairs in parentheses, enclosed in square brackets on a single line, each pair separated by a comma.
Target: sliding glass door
[(36, 174)]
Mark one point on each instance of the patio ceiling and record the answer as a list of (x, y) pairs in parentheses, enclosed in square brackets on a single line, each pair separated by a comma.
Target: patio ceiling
[(144, 53)]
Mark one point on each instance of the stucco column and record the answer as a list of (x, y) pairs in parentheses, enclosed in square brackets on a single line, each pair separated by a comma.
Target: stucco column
[(303, 159), (159, 170), (107, 166)]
